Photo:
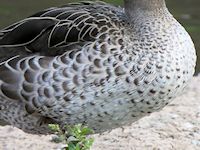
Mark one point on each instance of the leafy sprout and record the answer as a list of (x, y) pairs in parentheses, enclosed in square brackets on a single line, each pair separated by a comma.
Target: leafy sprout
[(75, 137)]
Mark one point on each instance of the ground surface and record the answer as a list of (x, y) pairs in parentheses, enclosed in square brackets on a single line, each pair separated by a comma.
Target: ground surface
[(176, 127)]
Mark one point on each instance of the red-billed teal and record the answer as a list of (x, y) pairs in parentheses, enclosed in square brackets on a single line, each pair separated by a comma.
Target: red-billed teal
[(92, 63)]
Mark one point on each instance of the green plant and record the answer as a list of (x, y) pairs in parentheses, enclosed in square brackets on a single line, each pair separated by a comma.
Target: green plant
[(75, 137)]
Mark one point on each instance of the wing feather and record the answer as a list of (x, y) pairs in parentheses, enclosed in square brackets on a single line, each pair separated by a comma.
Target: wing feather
[(26, 32), (57, 27)]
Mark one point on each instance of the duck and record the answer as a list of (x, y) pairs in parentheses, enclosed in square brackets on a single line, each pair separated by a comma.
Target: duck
[(92, 63)]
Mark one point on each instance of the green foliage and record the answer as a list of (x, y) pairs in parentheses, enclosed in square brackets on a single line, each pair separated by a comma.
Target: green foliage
[(75, 137)]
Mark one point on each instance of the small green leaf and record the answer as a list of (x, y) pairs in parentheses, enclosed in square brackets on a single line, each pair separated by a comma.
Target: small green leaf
[(71, 146), (72, 139), (54, 127), (86, 131), (75, 137), (78, 147)]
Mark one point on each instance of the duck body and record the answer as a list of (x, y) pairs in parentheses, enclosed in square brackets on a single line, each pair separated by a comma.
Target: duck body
[(91, 63)]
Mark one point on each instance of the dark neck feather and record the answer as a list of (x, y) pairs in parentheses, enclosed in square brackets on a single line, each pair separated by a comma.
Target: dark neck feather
[(133, 6), (144, 4)]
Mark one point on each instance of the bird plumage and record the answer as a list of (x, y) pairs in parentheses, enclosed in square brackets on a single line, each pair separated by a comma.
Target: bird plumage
[(90, 63)]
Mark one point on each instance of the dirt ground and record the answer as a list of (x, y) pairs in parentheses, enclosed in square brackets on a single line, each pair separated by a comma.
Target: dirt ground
[(176, 127)]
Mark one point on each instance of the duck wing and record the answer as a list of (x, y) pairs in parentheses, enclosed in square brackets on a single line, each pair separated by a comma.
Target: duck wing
[(43, 49), (60, 27)]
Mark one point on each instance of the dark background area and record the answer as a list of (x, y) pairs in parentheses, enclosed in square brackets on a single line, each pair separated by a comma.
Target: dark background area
[(186, 11)]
